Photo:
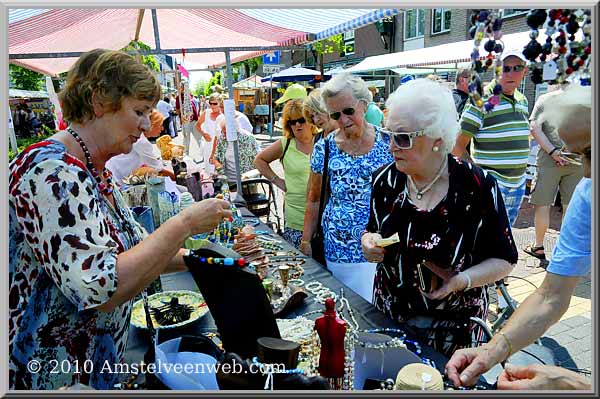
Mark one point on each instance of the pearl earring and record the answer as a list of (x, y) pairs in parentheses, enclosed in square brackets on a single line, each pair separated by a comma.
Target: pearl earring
[(435, 148)]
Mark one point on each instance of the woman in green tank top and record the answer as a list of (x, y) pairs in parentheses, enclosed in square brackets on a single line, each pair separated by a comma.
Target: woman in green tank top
[(293, 150)]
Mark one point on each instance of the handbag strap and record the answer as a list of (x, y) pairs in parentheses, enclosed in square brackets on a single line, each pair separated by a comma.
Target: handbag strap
[(325, 180), (287, 144)]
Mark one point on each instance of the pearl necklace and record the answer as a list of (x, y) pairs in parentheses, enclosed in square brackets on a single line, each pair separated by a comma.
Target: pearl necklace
[(105, 188), (428, 187)]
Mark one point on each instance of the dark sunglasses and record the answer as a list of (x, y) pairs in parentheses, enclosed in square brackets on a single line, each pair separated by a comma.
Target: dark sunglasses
[(214, 103), (292, 122), (346, 111), (403, 140), (516, 68)]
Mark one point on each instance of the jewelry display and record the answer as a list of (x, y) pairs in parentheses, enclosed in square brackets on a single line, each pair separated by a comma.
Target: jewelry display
[(561, 55), (485, 24), (296, 282)]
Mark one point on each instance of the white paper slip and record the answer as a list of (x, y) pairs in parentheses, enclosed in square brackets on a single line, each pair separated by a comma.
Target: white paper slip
[(384, 242)]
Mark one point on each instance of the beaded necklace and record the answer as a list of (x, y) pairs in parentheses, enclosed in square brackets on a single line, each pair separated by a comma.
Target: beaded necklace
[(567, 55), (105, 188), (486, 24)]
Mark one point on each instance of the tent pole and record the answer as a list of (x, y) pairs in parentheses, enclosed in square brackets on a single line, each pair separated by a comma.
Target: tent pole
[(271, 109), (155, 26), (239, 198), (139, 24), (11, 132)]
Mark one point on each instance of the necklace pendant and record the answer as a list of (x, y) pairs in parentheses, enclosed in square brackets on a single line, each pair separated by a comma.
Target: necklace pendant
[(419, 196)]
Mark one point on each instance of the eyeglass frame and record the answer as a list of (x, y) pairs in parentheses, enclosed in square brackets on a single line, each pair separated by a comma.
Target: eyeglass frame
[(411, 136), (513, 68), (344, 111), (292, 122)]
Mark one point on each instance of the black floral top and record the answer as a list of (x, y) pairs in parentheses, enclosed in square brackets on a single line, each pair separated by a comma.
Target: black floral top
[(468, 226)]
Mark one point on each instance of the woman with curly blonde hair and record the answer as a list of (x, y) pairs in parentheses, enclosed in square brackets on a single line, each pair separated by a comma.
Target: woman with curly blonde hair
[(293, 150)]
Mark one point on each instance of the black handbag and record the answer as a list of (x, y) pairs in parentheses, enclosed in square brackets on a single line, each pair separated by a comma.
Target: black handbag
[(317, 241)]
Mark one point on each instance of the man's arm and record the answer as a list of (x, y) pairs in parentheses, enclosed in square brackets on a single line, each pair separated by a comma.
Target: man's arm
[(532, 318), (460, 148)]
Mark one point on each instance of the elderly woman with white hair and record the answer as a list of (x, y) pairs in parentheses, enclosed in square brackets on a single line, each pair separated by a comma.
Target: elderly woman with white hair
[(453, 235), (354, 151)]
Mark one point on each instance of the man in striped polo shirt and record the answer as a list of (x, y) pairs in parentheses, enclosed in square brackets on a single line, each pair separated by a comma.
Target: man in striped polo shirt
[(501, 136)]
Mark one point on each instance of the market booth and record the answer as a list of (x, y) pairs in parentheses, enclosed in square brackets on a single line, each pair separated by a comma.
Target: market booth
[(251, 97)]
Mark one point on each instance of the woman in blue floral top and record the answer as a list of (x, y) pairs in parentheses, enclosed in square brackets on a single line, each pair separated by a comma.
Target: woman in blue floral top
[(77, 256), (356, 150)]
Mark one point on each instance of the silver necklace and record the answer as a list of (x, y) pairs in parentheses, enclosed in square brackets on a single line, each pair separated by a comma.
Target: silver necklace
[(421, 191)]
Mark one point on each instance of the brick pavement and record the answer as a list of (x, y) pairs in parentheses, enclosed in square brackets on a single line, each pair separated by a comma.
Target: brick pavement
[(570, 338)]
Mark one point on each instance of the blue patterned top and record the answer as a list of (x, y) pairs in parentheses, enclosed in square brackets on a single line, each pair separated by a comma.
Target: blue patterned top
[(63, 248), (347, 211)]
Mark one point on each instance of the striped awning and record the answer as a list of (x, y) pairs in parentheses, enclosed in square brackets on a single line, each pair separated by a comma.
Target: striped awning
[(78, 30), (366, 19)]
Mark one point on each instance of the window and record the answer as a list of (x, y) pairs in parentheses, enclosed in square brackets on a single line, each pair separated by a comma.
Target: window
[(349, 42), (511, 12), (440, 20), (414, 23)]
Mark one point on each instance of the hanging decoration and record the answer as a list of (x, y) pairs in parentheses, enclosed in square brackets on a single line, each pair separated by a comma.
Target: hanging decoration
[(486, 24), (562, 56)]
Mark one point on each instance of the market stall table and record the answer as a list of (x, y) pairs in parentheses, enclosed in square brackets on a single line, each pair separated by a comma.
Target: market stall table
[(367, 316)]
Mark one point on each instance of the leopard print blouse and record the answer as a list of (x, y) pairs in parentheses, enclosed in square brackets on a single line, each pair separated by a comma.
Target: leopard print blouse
[(63, 246)]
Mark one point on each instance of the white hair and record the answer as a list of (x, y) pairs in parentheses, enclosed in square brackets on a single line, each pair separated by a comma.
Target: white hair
[(423, 104), (574, 100), (346, 81)]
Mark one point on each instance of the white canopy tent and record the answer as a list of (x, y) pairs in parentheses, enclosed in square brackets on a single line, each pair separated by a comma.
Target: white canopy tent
[(446, 56)]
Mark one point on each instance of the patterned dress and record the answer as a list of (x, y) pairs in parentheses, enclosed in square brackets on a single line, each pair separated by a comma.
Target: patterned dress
[(63, 247), (347, 211), (467, 227)]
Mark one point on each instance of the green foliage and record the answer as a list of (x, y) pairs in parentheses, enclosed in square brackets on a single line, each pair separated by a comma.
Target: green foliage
[(217, 79), (24, 78), (23, 143), (149, 60), (200, 88), (331, 44)]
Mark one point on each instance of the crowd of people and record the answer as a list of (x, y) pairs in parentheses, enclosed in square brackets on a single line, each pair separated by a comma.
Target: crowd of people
[(441, 176)]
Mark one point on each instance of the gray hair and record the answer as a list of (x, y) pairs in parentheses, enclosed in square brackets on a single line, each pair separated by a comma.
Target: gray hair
[(574, 100), (215, 97), (423, 104), (314, 102), (462, 73), (346, 81)]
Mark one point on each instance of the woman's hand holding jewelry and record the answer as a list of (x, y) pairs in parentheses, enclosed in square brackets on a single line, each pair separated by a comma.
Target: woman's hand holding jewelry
[(205, 215), (372, 252)]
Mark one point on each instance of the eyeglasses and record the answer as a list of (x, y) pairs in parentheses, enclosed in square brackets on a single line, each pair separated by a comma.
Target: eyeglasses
[(516, 68), (346, 111), (403, 140), (292, 122), (214, 103)]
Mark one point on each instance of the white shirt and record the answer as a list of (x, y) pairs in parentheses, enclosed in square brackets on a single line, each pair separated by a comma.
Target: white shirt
[(244, 121), (142, 153), (241, 118), (164, 108)]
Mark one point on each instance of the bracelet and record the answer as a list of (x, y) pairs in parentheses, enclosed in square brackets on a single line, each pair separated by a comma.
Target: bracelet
[(468, 287), (553, 151), (304, 242), (510, 349)]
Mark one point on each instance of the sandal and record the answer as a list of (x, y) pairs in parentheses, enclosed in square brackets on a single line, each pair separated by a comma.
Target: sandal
[(533, 251)]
